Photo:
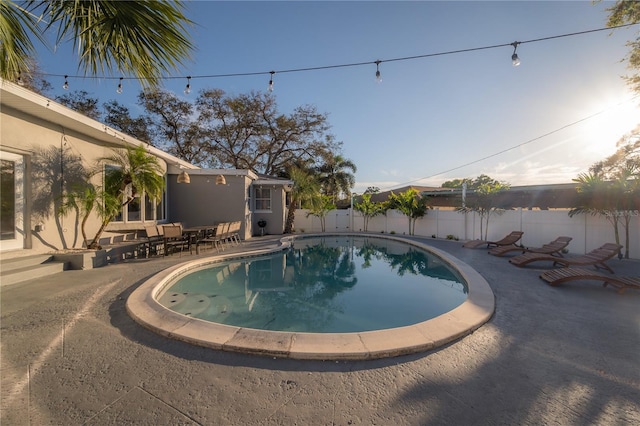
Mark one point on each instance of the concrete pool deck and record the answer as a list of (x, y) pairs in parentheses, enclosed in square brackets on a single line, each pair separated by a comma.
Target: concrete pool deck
[(71, 355)]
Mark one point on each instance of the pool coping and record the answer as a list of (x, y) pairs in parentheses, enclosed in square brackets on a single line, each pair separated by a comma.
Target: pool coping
[(476, 310)]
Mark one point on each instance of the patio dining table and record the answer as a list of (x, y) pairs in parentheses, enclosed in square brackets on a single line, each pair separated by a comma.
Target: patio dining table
[(195, 233)]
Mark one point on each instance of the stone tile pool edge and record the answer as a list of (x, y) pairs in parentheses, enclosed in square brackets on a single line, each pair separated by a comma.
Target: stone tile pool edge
[(477, 309)]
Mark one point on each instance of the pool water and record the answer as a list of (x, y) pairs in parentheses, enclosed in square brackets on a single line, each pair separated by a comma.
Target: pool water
[(332, 284)]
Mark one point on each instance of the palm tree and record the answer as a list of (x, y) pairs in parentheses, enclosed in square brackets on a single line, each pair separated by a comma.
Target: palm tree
[(411, 204), (334, 177), (483, 201), (321, 208), (145, 39), (305, 191), (131, 172), (368, 209), (615, 200), (84, 200)]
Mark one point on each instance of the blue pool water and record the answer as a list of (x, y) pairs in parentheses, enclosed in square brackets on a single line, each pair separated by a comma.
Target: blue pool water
[(328, 284)]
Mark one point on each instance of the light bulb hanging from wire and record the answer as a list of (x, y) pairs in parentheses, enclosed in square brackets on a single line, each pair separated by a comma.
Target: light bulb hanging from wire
[(378, 75), (20, 81), (270, 88), (514, 58), (187, 89), (65, 86), (119, 89)]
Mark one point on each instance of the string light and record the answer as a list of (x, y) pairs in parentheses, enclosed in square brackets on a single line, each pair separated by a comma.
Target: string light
[(270, 88), (378, 76), (187, 89), (65, 86), (514, 58), (20, 81)]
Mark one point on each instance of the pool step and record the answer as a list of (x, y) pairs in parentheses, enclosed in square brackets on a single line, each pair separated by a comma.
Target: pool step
[(19, 269)]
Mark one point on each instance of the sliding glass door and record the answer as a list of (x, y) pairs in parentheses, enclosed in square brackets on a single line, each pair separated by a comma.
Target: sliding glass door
[(12, 201)]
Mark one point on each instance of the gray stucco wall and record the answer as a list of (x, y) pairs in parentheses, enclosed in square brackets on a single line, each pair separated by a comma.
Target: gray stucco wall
[(202, 202)]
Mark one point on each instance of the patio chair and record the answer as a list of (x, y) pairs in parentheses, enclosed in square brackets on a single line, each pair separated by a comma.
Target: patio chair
[(554, 248), (212, 237), (595, 257), (234, 232), (232, 236), (222, 230), (154, 241), (510, 239), (173, 239), (556, 277)]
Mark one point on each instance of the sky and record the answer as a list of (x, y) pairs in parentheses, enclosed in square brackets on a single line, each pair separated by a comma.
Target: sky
[(430, 119)]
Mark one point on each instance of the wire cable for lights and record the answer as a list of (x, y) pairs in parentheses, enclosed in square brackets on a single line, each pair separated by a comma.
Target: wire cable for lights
[(595, 114), (356, 64)]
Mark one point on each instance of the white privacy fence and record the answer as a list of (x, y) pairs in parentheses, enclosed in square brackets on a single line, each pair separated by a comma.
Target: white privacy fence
[(539, 226)]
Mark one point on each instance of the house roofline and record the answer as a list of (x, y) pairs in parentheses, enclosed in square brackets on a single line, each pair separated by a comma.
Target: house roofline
[(24, 100)]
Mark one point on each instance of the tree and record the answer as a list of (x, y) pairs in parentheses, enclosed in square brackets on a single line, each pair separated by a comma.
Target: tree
[(482, 200), (243, 132), (457, 183), (85, 200), (80, 101), (119, 117), (144, 39), (305, 191), (411, 204), (368, 208), (248, 132), (131, 172), (176, 131), (628, 12), (335, 179), (612, 187), (323, 205)]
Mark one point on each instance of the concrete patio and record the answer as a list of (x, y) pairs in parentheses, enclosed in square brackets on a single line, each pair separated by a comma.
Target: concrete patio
[(569, 355)]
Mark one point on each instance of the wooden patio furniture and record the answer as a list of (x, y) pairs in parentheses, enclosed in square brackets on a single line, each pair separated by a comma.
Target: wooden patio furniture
[(595, 257), (510, 239), (553, 248), (556, 277)]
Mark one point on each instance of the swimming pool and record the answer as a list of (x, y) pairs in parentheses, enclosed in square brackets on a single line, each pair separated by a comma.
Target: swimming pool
[(322, 284), (144, 307)]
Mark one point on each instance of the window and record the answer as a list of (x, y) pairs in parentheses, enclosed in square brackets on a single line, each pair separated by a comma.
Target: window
[(134, 208), (160, 206), (149, 208), (263, 198)]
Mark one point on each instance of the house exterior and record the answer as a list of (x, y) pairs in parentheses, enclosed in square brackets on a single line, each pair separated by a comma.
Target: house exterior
[(244, 196), (44, 149)]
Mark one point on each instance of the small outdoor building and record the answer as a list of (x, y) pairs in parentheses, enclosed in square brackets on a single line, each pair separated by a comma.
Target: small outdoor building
[(45, 148)]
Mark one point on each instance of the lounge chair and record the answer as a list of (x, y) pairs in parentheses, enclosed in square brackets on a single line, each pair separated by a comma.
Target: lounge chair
[(595, 257), (510, 239), (556, 277), (554, 248)]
